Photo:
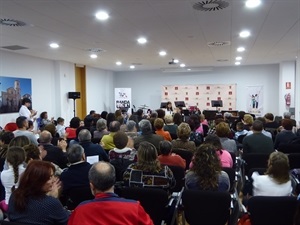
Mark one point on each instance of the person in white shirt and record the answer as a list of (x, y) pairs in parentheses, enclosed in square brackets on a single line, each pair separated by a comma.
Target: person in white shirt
[(276, 181), (60, 127), (24, 111)]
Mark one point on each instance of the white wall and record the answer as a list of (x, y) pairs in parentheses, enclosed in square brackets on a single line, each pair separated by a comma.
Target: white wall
[(146, 85)]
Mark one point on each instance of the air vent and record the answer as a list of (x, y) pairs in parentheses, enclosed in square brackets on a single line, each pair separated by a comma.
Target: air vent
[(14, 47), (136, 64), (12, 23), (218, 43), (222, 60), (211, 5), (96, 50)]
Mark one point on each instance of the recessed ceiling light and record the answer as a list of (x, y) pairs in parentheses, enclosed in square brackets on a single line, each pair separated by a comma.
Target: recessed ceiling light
[(102, 15), (240, 49), (54, 45), (176, 61), (238, 58), (237, 63), (132, 67), (162, 53), (182, 65), (188, 69), (93, 56), (252, 3), (245, 34), (119, 63), (142, 40)]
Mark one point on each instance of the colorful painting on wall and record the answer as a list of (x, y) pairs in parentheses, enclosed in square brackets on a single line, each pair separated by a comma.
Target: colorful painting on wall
[(12, 91)]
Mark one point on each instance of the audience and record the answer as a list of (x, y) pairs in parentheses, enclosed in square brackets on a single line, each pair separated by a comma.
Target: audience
[(182, 142), (285, 135), (168, 158), (159, 124), (101, 128), (223, 131), (22, 124), (264, 132), (170, 126), (247, 120), (270, 123), (71, 130), (240, 130), (60, 127)]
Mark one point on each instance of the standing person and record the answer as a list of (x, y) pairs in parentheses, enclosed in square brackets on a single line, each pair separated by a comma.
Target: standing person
[(60, 127), (169, 108), (24, 111)]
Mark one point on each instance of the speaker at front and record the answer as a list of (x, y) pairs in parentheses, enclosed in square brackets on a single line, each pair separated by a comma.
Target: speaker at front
[(74, 95)]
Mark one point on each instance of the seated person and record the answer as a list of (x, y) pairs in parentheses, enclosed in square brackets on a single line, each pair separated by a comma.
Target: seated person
[(276, 181), (170, 126), (159, 124), (107, 140), (147, 171), (264, 132), (101, 128), (240, 130), (71, 130), (222, 131), (270, 123), (168, 158), (285, 135), (206, 173), (183, 141)]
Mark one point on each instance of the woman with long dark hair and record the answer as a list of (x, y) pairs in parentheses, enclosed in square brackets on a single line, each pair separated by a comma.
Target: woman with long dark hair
[(35, 201)]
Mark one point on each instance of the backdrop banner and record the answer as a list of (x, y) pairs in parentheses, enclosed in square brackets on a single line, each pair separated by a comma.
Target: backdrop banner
[(255, 100), (123, 99)]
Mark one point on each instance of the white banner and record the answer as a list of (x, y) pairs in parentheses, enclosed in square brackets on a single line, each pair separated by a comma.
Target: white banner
[(255, 100), (123, 99)]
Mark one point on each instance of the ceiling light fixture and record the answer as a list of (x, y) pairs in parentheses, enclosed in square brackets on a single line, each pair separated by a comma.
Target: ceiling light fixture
[(118, 63), (132, 67), (240, 49), (238, 58), (162, 53), (102, 15), (237, 63), (54, 45), (142, 40), (173, 61), (93, 56), (182, 65), (244, 34), (188, 69), (252, 3)]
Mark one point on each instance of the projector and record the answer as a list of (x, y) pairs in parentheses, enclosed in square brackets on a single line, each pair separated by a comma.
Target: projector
[(173, 62)]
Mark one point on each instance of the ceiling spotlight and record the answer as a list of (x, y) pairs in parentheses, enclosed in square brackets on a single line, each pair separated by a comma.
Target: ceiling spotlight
[(102, 15), (252, 3), (238, 58), (240, 49), (132, 67), (54, 45), (189, 69), (118, 63), (182, 65), (237, 63), (175, 60), (142, 40), (245, 34), (93, 56), (162, 53)]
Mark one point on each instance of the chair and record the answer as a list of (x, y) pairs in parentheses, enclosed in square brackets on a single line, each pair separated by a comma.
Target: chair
[(4, 222), (294, 159), (179, 174), (255, 160), (78, 195), (289, 148), (11, 127), (206, 207), (273, 131), (185, 154), (272, 210), (154, 201), (232, 177)]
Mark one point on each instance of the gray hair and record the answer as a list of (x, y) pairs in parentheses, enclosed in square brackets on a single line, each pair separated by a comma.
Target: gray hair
[(75, 153), (102, 175), (45, 137), (145, 126), (84, 135), (101, 124), (130, 125), (286, 115), (227, 115)]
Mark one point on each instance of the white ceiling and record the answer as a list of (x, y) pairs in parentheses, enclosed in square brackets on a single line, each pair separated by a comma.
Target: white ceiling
[(171, 25)]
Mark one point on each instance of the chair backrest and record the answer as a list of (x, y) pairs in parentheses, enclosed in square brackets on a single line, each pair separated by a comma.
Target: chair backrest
[(120, 165), (185, 154), (179, 174), (255, 160), (231, 175), (294, 159), (4, 222), (241, 138), (272, 210), (233, 156), (153, 200), (273, 132), (289, 148), (10, 127), (78, 195), (206, 207)]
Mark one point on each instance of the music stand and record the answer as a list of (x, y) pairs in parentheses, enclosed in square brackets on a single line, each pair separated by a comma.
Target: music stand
[(179, 104), (163, 105), (216, 103)]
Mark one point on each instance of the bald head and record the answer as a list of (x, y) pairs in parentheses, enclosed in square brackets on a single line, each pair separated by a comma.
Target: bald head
[(102, 176), (45, 137)]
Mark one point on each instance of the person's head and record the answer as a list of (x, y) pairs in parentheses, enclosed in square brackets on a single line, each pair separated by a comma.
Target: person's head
[(257, 126), (75, 122), (104, 114), (147, 157), (75, 153), (248, 119), (153, 115), (165, 147), (92, 112), (169, 105), (102, 177), (22, 122), (214, 140), (239, 126), (114, 126), (287, 124), (30, 125), (219, 120), (227, 115), (32, 152), (177, 118), (120, 140), (131, 126), (44, 115), (139, 113), (269, 117), (15, 156), (6, 137), (158, 123), (278, 167), (263, 120), (101, 124), (45, 137), (26, 102), (36, 181), (19, 141), (194, 122), (286, 115), (110, 117), (84, 135), (241, 114), (81, 123), (207, 166), (145, 126), (202, 117), (161, 113), (118, 113), (168, 119), (184, 131), (51, 128), (222, 129), (60, 121)]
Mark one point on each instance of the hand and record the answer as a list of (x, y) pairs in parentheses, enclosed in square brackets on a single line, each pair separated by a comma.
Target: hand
[(63, 145), (56, 187)]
